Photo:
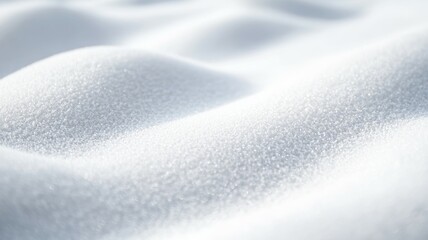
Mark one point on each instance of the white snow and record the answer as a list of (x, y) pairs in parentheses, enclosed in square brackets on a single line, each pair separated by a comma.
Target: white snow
[(197, 119)]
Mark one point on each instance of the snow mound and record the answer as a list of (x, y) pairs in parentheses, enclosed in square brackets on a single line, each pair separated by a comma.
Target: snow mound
[(274, 136), (248, 150), (96, 93)]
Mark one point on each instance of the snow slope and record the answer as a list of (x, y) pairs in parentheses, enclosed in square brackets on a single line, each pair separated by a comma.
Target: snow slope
[(108, 91), (199, 119)]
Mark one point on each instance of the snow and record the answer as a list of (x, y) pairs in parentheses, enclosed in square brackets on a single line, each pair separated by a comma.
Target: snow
[(208, 120), (109, 91)]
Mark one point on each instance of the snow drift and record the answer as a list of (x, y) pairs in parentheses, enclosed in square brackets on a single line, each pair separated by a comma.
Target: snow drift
[(223, 120)]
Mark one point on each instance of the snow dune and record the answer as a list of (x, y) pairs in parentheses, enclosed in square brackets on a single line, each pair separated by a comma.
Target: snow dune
[(213, 120), (109, 91)]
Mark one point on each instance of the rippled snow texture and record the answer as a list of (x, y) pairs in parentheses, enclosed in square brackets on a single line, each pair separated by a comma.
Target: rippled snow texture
[(198, 119)]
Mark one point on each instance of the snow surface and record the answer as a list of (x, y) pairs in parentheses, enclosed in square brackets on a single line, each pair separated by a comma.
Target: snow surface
[(198, 119)]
